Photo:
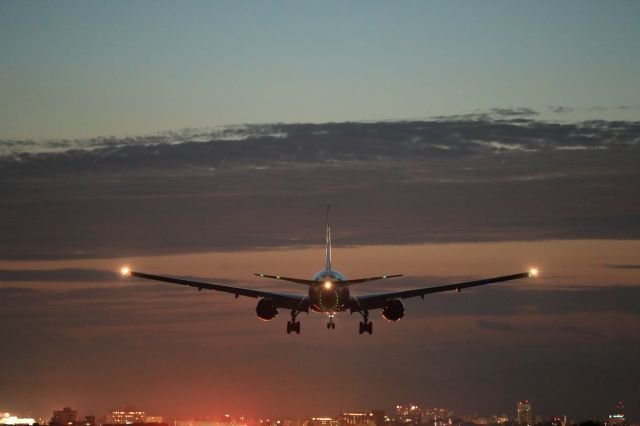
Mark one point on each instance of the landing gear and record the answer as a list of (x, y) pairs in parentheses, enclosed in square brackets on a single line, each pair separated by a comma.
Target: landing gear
[(293, 325), (331, 324), (366, 326)]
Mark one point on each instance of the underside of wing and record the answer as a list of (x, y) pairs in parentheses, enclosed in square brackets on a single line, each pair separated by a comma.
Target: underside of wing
[(379, 300), (296, 302)]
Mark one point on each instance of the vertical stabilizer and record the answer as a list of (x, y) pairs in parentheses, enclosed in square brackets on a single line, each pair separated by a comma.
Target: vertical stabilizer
[(328, 246)]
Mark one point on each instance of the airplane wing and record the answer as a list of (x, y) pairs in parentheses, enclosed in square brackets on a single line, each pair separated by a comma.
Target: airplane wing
[(364, 280), (293, 280), (379, 300), (297, 302)]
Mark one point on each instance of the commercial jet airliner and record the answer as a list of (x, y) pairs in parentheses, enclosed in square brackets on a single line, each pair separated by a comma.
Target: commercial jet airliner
[(328, 293)]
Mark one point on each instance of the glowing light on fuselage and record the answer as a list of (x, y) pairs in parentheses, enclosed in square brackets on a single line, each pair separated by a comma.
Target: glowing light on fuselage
[(328, 285)]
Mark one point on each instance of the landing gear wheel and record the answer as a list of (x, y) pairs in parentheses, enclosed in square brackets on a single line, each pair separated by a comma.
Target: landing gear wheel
[(331, 324), (293, 325), (366, 326)]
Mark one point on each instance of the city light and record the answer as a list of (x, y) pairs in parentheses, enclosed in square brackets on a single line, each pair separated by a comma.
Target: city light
[(8, 419)]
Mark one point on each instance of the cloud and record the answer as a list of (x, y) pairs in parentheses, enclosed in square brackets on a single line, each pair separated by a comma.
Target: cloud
[(505, 301), (560, 109), (58, 275), (498, 326), (628, 266), (514, 112), (445, 180)]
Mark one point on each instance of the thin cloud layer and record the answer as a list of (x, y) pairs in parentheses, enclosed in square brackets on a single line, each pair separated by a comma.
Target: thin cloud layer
[(453, 179), (57, 275)]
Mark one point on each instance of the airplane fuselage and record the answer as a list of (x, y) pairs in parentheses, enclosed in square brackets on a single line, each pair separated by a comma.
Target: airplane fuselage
[(328, 295)]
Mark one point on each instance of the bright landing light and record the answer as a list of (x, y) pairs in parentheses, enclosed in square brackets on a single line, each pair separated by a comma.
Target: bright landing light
[(125, 271), (328, 285), (533, 272)]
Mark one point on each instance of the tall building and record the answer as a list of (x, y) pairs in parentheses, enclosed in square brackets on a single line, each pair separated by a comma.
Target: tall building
[(525, 414), (617, 418), (66, 416), (408, 414), (126, 416)]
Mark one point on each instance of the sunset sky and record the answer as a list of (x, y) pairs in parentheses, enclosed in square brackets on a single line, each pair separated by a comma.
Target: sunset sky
[(454, 140)]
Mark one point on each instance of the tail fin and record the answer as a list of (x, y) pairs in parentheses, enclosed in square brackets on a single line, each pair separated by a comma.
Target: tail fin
[(328, 246)]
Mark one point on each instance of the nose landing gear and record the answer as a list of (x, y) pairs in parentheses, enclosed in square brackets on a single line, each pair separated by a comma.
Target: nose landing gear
[(331, 324)]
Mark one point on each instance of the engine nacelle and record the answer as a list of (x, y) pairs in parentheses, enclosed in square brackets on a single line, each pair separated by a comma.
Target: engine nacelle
[(393, 310), (266, 309)]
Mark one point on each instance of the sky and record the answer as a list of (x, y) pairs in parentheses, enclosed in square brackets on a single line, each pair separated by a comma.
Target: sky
[(78, 69), (454, 141)]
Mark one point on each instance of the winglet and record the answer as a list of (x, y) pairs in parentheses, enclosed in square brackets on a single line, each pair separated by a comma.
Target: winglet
[(328, 243)]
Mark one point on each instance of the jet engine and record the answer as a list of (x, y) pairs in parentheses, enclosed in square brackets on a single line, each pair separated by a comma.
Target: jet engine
[(393, 310), (266, 309)]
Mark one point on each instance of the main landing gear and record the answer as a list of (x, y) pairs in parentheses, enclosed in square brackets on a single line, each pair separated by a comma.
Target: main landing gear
[(293, 325), (366, 326), (331, 324)]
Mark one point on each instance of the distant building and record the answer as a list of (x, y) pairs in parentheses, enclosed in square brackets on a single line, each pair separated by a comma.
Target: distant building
[(352, 419), (525, 414), (225, 420), (408, 414), (379, 417), (126, 416), (617, 418), (437, 416), (66, 416), (321, 421)]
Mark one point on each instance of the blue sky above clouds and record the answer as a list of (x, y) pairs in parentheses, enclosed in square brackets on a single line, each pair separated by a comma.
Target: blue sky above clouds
[(81, 69)]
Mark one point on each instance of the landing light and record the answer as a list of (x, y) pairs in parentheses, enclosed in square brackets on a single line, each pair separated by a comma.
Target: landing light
[(533, 272), (125, 271), (328, 285)]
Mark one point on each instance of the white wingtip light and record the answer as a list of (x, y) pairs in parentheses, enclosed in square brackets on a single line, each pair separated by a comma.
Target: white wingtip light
[(125, 271), (533, 272)]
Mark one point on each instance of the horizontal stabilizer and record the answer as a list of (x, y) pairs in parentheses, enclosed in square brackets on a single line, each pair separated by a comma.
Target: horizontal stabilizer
[(364, 280), (293, 280)]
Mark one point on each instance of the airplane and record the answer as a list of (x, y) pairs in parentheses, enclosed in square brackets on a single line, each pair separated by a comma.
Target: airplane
[(328, 293)]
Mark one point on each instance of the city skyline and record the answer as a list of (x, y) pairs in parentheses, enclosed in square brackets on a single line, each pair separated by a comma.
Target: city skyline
[(399, 414)]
